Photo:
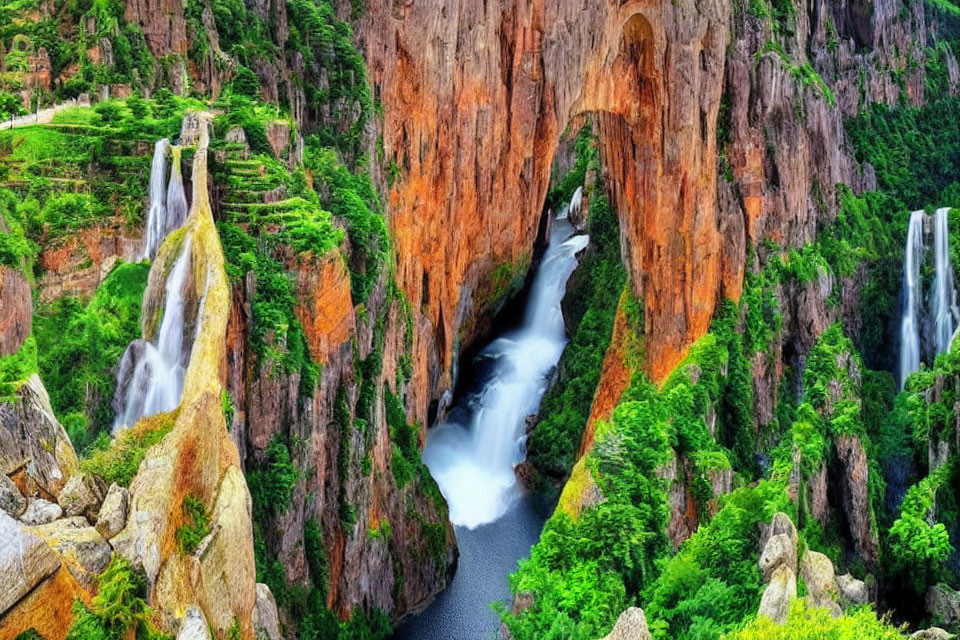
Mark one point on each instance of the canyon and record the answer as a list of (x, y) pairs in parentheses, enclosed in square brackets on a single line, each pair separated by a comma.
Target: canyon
[(306, 218)]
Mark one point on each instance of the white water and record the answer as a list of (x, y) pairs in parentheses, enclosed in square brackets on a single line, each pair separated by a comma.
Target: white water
[(944, 299), (472, 454), (155, 370), (176, 213), (910, 322), (157, 213)]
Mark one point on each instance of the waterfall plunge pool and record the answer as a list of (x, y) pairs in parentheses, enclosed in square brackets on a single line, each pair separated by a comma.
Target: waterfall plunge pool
[(473, 452)]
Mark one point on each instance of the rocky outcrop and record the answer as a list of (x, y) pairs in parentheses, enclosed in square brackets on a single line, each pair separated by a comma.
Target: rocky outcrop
[(76, 265), (266, 620), (780, 591), (40, 511), (25, 560), (855, 591), (16, 309), (818, 575), (631, 625), (11, 500), (81, 548), (856, 496), (34, 449), (112, 516), (778, 564), (943, 604), (82, 495)]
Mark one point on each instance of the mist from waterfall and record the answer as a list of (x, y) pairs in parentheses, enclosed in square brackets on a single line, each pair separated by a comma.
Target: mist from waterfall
[(150, 378), (473, 453), (167, 210), (931, 332)]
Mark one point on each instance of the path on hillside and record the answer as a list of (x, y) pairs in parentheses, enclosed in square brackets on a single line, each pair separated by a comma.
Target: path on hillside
[(43, 116)]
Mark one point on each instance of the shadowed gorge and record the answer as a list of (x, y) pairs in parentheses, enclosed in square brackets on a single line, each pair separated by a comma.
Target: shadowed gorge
[(551, 320)]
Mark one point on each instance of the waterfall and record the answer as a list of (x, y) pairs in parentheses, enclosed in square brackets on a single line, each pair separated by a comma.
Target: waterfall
[(168, 201), (150, 377), (176, 213), (157, 213), (910, 323), (944, 300), (472, 454)]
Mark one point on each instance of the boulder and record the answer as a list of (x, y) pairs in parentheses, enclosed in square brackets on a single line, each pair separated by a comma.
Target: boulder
[(818, 574), (194, 626), (11, 500), (631, 625), (81, 547), (32, 443), (780, 550), (855, 591), (113, 512), (25, 560), (266, 620), (41, 511), (82, 495), (780, 524), (933, 633), (780, 592), (943, 603)]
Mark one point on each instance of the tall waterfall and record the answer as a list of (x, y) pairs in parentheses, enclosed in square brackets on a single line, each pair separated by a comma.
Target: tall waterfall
[(168, 201), (157, 213), (944, 302), (927, 332), (910, 323), (473, 453), (150, 378)]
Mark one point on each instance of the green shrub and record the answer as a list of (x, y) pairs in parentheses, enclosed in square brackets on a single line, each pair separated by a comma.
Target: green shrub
[(119, 610), (195, 527), (118, 461), (16, 368), (271, 483)]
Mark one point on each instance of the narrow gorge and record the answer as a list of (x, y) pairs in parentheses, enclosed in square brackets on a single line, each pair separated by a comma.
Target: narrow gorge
[(547, 320)]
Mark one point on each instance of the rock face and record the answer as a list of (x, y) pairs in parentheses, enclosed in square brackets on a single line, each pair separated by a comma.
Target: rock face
[(779, 593), (16, 309), (266, 620), (113, 512), (25, 560), (11, 500), (81, 548), (82, 495), (818, 574), (943, 603), (631, 625), (34, 448)]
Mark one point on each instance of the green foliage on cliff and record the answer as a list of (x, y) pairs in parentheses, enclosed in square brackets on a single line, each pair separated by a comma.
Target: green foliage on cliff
[(271, 483), (80, 346), (914, 150), (713, 582), (195, 527), (16, 368), (119, 611), (119, 460)]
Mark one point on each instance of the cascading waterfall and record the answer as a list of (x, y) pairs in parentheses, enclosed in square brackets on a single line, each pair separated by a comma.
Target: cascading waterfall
[(157, 213), (168, 201), (473, 453), (943, 311), (944, 302), (150, 378), (910, 322), (176, 213)]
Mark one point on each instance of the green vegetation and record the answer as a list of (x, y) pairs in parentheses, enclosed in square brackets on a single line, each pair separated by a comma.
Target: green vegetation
[(195, 527), (119, 611), (809, 623), (119, 460), (80, 346), (16, 368), (271, 483)]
